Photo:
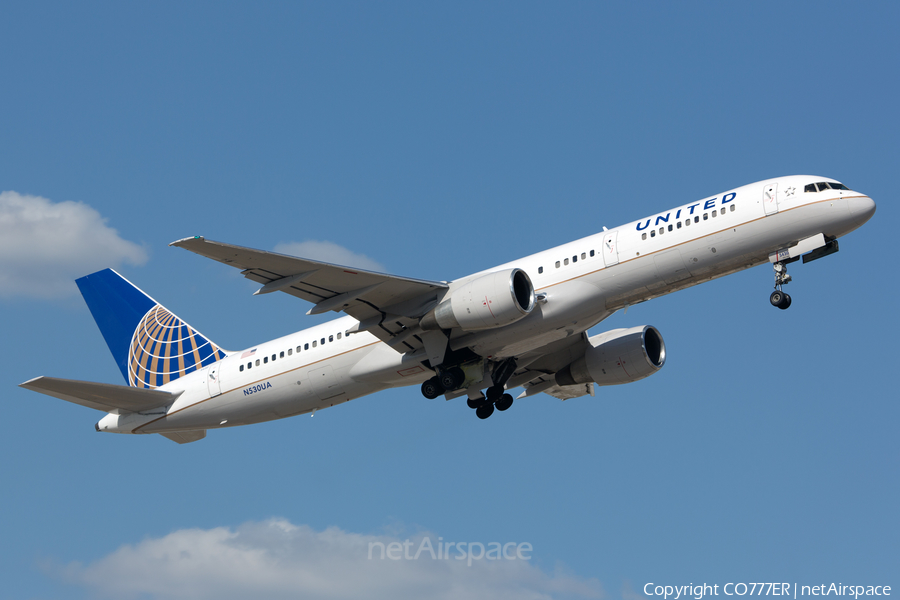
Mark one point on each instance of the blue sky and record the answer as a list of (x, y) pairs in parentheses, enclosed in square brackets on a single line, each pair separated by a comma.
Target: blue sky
[(437, 140)]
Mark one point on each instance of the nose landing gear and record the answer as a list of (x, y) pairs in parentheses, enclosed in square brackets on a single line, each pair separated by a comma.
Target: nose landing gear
[(779, 298)]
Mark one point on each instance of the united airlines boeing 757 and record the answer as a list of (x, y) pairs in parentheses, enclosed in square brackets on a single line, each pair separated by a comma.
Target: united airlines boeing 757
[(521, 324)]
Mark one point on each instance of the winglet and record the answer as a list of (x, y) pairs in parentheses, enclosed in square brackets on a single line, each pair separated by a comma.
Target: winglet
[(182, 241)]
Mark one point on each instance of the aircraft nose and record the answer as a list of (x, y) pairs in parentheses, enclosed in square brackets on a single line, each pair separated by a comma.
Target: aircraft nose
[(862, 207)]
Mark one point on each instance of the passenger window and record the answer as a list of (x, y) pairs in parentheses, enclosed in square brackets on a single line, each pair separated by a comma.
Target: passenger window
[(566, 261), (706, 216), (732, 208), (688, 222), (339, 335), (242, 368), (644, 236), (714, 213), (257, 362), (679, 225), (583, 256), (281, 354), (540, 270), (653, 233), (323, 341), (314, 343), (670, 228), (696, 219), (662, 230), (249, 365), (592, 252), (306, 346), (265, 360), (557, 264), (330, 338), (575, 259)]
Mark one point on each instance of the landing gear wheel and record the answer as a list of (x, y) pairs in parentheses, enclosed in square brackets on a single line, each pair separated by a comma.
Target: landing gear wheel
[(484, 411), (432, 388), (780, 299), (786, 303), (475, 402), (451, 379), (504, 402)]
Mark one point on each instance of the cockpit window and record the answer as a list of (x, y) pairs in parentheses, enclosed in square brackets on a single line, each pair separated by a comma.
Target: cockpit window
[(825, 185)]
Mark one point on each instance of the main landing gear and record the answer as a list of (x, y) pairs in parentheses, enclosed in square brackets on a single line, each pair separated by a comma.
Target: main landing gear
[(779, 298), (495, 397)]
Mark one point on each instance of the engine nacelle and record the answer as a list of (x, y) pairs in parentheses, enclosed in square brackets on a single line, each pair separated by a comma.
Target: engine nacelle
[(493, 300), (617, 356)]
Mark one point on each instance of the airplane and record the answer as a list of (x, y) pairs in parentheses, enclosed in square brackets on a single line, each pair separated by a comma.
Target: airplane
[(520, 324)]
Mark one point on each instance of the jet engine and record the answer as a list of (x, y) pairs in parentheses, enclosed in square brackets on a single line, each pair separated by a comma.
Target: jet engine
[(492, 300), (617, 356)]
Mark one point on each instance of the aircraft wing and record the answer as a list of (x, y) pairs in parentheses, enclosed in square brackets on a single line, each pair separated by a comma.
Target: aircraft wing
[(375, 299), (540, 366), (107, 397)]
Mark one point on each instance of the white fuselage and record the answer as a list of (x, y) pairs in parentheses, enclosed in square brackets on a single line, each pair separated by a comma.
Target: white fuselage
[(579, 284)]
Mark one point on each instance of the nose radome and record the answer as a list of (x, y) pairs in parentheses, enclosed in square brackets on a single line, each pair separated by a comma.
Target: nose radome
[(863, 207)]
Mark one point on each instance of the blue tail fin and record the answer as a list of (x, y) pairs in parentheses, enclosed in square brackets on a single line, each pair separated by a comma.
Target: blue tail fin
[(151, 345)]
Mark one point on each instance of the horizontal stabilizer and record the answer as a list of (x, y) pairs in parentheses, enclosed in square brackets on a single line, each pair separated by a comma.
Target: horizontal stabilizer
[(185, 437), (107, 397)]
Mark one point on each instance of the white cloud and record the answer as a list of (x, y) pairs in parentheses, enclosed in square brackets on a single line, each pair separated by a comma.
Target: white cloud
[(44, 245), (329, 252), (276, 559)]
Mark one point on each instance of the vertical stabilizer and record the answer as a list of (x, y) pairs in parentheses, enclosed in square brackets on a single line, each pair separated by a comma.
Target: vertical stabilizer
[(151, 345)]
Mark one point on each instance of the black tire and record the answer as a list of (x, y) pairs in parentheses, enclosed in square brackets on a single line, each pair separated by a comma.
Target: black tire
[(474, 402), (432, 388), (448, 380), (777, 298), (484, 411), (786, 303), (451, 379), (494, 392), (504, 402)]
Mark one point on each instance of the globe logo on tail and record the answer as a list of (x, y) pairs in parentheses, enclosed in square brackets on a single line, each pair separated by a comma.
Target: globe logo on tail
[(165, 348)]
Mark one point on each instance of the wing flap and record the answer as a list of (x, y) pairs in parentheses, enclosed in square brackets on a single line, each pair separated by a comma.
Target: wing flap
[(107, 397), (563, 392)]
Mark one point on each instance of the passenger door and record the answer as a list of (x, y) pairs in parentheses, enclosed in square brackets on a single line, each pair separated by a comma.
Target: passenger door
[(770, 198), (212, 380), (610, 249)]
